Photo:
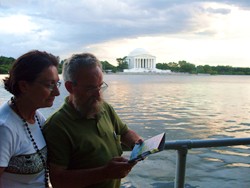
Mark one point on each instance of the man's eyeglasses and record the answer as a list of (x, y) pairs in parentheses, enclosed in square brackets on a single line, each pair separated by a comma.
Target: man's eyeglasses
[(51, 86), (100, 88)]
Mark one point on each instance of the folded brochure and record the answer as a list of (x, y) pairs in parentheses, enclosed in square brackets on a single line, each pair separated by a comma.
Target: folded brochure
[(152, 145)]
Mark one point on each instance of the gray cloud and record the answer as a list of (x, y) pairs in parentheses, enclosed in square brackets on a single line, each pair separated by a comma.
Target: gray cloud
[(70, 25), (218, 10)]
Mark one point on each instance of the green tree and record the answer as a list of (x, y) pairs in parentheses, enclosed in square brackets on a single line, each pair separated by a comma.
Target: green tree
[(106, 66), (207, 69), (200, 69), (162, 66), (5, 64), (122, 64), (174, 67), (187, 67), (4, 69), (6, 60)]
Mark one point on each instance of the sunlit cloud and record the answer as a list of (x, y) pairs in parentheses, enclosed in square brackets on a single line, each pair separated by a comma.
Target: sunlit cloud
[(17, 24)]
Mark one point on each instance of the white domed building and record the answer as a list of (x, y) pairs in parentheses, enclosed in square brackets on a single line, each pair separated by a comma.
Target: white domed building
[(139, 60)]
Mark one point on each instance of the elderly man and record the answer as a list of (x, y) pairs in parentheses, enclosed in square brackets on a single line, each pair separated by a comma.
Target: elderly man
[(84, 136)]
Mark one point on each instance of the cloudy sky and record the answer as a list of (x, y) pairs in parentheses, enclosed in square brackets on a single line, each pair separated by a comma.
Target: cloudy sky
[(197, 31)]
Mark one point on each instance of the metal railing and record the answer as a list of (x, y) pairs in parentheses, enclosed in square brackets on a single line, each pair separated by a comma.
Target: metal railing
[(182, 147)]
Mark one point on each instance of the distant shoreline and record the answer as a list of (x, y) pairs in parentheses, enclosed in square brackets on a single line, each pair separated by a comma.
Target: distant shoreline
[(169, 74)]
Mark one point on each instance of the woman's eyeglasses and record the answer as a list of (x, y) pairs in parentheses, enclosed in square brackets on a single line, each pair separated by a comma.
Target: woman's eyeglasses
[(51, 86)]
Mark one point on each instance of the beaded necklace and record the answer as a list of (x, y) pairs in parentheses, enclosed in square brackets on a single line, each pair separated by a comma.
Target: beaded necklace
[(46, 178)]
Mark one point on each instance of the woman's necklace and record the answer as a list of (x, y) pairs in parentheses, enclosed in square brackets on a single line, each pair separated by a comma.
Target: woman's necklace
[(13, 102)]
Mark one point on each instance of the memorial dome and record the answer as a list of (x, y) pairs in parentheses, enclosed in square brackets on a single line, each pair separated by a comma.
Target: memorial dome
[(139, 51)]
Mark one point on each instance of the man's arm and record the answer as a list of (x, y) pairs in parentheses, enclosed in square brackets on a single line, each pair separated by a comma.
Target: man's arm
[(130, 138), (117, 168)]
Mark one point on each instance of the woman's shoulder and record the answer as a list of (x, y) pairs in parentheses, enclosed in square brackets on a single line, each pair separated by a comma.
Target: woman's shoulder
[(7, 116)]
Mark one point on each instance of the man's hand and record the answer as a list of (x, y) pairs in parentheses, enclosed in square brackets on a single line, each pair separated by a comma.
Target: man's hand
[(118, 168)]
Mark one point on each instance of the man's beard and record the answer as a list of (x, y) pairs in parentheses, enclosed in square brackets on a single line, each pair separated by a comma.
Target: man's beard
[(89, 108)]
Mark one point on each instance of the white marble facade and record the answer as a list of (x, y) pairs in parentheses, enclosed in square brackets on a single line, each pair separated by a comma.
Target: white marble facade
[(139, 60)]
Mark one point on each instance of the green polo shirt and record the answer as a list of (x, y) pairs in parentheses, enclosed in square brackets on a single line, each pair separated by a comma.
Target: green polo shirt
[(81, 143)]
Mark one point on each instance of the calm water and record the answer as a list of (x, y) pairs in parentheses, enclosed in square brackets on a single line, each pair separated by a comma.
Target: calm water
[(185, 107)]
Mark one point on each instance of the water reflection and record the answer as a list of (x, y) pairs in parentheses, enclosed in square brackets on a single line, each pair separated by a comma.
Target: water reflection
[(190, 103)]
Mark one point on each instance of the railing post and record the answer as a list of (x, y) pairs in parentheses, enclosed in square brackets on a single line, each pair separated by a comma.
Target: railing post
[(180, 167)]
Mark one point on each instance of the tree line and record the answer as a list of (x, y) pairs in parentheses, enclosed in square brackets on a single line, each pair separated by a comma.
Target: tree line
[(185, 67), (179, 67), (6, 63)]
